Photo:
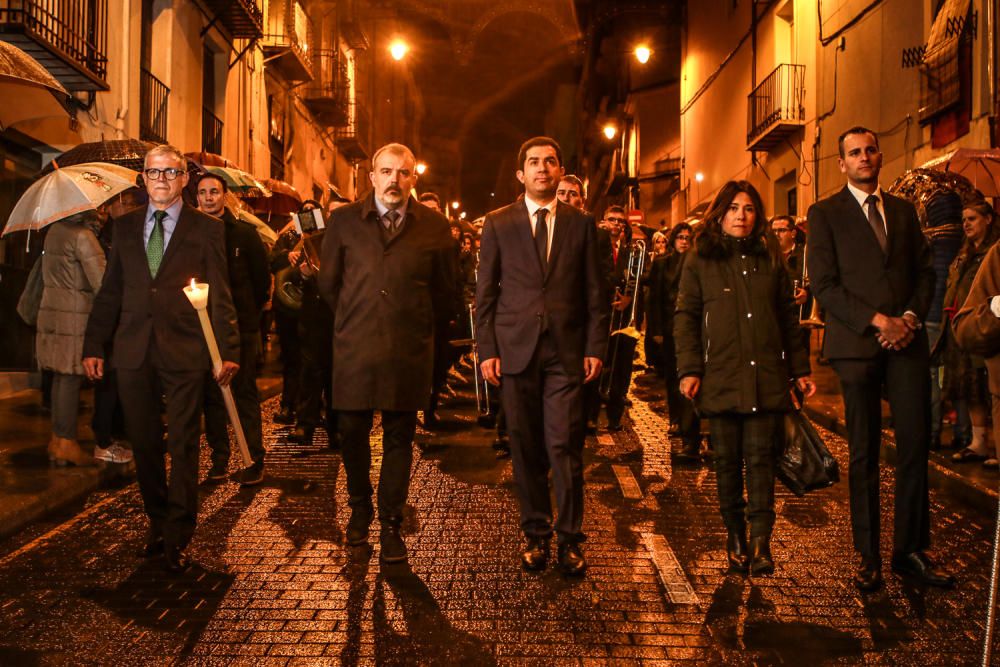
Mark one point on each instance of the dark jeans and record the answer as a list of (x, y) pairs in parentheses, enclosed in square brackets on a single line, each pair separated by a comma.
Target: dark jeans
[(316, 373), (247, 399), (287, 325), (398, 429), (65, 404), (751, 440), (544, 409)]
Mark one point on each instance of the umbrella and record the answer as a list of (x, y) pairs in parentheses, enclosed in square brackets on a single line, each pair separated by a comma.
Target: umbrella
[(919, 186), (66, 192), (284, 198), (268, 235), (211, 160), (128, 153), (980, 166), (239, 182), (28, 89)]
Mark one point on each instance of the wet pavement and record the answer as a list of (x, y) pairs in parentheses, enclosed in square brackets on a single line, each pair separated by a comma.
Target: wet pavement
[(275, 584)]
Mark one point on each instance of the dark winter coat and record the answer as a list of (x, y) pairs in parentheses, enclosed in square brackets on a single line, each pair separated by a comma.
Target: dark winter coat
[(737, 327), (249, 277), (386, 297), (664, 281)]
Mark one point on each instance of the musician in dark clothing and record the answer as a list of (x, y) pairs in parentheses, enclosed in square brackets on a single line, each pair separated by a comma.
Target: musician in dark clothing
[(286, 320), (621, 347)]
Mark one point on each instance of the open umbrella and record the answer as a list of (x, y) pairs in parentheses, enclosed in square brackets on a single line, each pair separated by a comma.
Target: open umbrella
[(239, 182), (980, 166), (27, 88), (267, 235), (211, 160), (66, 192), (284, 198), (128, 153)]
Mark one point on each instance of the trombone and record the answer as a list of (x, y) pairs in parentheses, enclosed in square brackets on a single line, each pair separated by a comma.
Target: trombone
[(814, 321), (623, 321)]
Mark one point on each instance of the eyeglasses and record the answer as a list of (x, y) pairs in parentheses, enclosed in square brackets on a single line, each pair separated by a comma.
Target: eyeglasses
[(782, 230), (170, 173), (683, 237), (617, 221)]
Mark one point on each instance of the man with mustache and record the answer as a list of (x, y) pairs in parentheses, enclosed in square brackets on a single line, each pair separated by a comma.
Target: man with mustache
[(542, 327), (388, 272)]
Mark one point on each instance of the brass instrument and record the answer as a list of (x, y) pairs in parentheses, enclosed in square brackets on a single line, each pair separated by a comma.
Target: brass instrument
[(288, 281), (482, 386), (814, 321), (623, 321)]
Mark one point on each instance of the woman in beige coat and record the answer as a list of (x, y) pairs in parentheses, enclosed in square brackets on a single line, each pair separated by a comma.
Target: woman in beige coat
[(72, 269)]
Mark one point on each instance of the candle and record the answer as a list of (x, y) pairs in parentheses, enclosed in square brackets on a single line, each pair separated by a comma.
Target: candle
[(197, 294)]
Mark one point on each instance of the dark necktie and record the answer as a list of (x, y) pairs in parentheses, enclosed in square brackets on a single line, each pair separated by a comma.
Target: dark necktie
[(154, 247), (391, 222), (542, 237), (875, 220)]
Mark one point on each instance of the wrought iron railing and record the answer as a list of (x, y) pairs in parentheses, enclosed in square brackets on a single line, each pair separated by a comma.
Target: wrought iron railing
[(328, 94), (355, 131), (779, 97), (211, 132), (76, 29), (290, 26), (153, 97)]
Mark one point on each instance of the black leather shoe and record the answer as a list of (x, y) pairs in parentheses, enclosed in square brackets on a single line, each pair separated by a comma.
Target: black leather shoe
[(302, 435), (357, 525), (918, 566), (217, 473), (615, 426), (535, 556), (737, 551), (869, 576), (253, 475), (691, 453), (571, 560), (153, 546), (392, 549), (760, 555), (285, 416), (174, 560)]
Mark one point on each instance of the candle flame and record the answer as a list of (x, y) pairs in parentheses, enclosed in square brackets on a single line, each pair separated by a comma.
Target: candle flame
[(193, 286)]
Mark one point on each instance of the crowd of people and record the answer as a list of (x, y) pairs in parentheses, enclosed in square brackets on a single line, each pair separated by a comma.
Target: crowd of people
[(372, 308)]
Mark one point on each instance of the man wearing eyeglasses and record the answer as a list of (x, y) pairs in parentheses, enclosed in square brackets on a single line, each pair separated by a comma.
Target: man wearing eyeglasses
[(621, 348), (159, 347)]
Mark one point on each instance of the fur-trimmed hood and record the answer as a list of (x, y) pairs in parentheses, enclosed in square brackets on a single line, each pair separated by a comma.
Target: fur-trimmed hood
[(713, 244)]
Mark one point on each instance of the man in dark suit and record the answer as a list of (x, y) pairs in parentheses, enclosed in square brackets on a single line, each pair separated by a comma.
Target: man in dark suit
[(620, 290), (159, 347), (541, 324), (249, 284), (871, 269), (388, 272)]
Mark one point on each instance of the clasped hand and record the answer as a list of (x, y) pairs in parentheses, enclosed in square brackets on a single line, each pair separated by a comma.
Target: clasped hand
[(895, 333)]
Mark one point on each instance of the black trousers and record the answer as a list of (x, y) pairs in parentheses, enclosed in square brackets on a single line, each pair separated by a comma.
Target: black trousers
[(287, 325), (316, 372), (398, 429), (247, 399), (544, 409), (108, 422), (750, 441), (904, 375), (618, 373), (172, 506)]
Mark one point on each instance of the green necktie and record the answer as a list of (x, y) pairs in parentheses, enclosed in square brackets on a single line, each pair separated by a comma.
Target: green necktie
[(154, 247)]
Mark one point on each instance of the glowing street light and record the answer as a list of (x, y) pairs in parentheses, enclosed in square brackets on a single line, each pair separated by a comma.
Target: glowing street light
[(398, 49), (642, 53), (699, 177), (461, 215), (421, 167), (610, 130), (455, 205)]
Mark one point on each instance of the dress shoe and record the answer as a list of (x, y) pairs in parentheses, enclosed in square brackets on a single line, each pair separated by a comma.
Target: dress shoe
[(918, 566), (302, 435), (869, 576), (357, 525), (737, 550), (674, 430), (760, 555), (571, 560), (174, 559), (252, 475), (392, 549), (285, 416), (690, 453), (615, 426), (218, 472), (536, 554)]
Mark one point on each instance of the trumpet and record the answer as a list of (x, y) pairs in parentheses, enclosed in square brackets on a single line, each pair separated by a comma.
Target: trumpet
[(623, 321)]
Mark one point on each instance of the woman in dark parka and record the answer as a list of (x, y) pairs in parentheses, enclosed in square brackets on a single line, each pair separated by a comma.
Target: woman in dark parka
[(739, 351)]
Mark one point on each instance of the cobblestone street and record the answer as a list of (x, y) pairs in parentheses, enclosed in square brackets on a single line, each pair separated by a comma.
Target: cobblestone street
[(274, 582)]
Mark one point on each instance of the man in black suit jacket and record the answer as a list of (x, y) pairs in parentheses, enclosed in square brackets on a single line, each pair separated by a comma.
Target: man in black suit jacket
[(871, 269), (159, 347), (388, 272), (541, 324)]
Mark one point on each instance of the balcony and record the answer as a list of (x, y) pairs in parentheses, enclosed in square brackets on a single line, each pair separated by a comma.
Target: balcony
[(153, 96), (242, 18), (68, 37), (287, 39), (328, 96), (352, 139), (775, 108), (211, 132)]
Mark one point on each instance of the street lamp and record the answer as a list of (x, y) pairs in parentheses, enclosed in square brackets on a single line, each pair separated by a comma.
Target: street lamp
[(642, 53), (610, 130), (455, 205), (699, 177), (421, 167), (398, 49)]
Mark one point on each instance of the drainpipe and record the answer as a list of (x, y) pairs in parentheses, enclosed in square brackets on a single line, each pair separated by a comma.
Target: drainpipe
[(126, 61), (991, 71)]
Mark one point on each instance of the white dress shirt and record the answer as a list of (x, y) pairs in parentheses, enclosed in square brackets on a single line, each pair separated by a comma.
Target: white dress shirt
[(861, 196), (550, 220)]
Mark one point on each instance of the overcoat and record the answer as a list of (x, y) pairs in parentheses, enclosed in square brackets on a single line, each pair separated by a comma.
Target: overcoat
[(737, 327), (72, 270), (386, 296)]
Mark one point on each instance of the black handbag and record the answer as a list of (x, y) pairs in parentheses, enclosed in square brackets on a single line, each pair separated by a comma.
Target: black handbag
[(805, 463)]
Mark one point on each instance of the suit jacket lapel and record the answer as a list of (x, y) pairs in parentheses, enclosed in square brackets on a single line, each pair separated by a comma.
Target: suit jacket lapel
[(180, 230), (563, 214), (891, 224), (523, 227), (857, 213)]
